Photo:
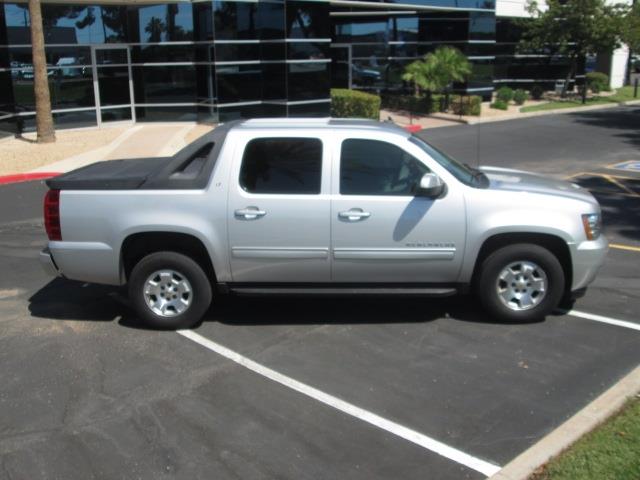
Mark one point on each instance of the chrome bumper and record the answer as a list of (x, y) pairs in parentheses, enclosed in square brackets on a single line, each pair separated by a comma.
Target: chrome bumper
[(48, 265), (587, 258)]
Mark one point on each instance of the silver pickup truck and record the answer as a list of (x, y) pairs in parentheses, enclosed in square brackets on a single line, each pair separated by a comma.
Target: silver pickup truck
[(320, 206)]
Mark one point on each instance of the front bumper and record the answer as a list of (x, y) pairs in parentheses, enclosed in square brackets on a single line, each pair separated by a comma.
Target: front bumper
[(587, 258), (47, 263)]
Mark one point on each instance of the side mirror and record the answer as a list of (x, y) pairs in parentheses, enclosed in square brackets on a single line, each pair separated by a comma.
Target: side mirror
[(431, 186)]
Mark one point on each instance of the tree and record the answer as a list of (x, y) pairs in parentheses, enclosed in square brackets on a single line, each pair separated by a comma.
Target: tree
[(437, 71), (631, 28), (44, 119), (572, 28)]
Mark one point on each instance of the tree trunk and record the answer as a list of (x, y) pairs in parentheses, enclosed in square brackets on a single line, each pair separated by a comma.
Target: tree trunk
[(44, 120), (570, 75)]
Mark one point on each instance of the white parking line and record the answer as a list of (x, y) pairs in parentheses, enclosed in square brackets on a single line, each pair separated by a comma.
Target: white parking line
[(418, 438), (600, 318)]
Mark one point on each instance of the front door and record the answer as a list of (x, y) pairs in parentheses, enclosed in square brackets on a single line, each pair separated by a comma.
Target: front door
[(279, 210), (381, 231), (113, 86)]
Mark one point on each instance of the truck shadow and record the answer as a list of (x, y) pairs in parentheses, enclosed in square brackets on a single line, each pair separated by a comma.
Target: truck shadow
[(67, 300)]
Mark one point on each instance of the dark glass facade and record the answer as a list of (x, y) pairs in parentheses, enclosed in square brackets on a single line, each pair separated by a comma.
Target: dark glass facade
[(218, 60)]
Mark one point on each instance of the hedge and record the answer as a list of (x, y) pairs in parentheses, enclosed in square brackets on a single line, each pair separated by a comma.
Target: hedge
[(598, 82), (354, 104), (413, 104), (500, 105), (466, 104)]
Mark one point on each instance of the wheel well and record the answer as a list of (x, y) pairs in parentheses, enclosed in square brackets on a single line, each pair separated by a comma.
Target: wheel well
[(139, 245), (554, 244)]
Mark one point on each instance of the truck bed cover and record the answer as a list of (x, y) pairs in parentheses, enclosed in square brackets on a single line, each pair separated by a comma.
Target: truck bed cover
[(190, 168)]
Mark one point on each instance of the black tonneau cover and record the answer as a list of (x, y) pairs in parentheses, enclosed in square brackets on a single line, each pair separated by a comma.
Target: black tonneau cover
[(190, 168)]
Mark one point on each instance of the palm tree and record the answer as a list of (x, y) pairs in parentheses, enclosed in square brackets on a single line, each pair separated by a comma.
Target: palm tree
[(44, 119), (437, 71)]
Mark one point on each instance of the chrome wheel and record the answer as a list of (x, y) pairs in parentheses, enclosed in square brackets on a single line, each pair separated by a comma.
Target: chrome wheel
[(167, 293), (521, 285)]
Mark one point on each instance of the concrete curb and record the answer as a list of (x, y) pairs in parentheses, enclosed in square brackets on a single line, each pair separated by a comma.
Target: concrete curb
[(570, 431), (516, 116)]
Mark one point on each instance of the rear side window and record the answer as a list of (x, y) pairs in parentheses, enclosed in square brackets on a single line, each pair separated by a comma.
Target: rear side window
[(282, 165), (373, 167)]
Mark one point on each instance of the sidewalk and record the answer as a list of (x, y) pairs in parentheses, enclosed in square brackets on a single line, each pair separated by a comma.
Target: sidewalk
[(141, 140)]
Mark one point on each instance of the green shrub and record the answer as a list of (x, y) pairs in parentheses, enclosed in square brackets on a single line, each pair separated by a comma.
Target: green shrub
[(466, 105), (416, 105), (537, 91), (354, 104), (520, 96), (505, 94), (597, 82), (500, 105)]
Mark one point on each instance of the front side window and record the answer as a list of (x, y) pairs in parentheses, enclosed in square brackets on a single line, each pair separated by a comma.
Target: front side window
[(282, 165), (372, 167)]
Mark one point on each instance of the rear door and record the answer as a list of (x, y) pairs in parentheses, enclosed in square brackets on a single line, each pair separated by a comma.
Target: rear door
[(279, 225), (382, 232)]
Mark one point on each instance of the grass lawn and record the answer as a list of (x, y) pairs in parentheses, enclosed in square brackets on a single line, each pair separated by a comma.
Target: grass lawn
[(610, 452), (622, 95)]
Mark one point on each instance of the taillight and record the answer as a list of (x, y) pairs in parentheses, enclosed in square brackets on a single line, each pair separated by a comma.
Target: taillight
[(52, 215)]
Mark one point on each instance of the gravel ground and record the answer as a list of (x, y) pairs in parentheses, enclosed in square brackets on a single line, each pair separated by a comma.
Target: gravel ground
[(22, 155)]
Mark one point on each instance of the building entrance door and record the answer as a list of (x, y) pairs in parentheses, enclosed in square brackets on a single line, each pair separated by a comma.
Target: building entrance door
[(112, 83)]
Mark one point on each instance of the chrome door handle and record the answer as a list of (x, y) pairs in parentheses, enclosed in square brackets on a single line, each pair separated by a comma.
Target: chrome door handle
[(250, 213), (354, 214)]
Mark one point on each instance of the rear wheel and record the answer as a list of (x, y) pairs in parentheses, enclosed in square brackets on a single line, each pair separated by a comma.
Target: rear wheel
[(521, 282), (169, 290)]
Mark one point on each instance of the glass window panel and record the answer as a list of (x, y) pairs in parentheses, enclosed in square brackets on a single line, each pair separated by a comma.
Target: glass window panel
[(203, 21), (68, 56), (165, 84), (166, 114), (239, 83), (163, 53), (274, 110), (307, 50), (115, 56), (228, 114), (275, 81), (75, 119), (207, 114), (307, 19), (272, 51), (369, 73), (271, 20), (440, 27), (115, 114), (205, 84), (282, 166), (113, 23), (113, 84), (404, 50), (310, 110), (6, 93), (72, 88), (482, 26), (405, 29), (235, 20), (4, 57), (308, 81), (373, 30), (20, 57), (229, 52), (165, 23), (372, 167), (482, 74), (366, 51)]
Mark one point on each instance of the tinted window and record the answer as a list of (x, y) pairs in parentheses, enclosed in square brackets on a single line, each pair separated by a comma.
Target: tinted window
[(282, 165), (371, 167)]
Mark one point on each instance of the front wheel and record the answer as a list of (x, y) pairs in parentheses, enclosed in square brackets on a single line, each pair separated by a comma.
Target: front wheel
[(521, 282), (169, 290)]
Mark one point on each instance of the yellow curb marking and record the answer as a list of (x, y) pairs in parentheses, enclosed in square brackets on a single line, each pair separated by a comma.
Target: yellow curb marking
[(620, 246)]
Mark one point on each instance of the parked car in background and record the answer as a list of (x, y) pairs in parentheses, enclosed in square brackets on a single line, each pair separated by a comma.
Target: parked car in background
[(320, 206)]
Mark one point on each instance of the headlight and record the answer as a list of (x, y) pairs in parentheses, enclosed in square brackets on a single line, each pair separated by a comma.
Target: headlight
[(592, 225)]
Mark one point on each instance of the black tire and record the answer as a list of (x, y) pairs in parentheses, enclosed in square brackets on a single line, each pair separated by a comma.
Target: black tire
[(199, 297), (488, 276)]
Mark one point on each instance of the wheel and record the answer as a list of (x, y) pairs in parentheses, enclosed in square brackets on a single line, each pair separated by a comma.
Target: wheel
[(521, 282), (169, 290)]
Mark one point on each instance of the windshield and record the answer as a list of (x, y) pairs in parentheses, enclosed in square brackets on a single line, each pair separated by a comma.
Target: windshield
[(464, 173)]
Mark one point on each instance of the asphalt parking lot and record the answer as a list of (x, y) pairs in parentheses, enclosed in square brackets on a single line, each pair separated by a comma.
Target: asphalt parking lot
[(340, 388)]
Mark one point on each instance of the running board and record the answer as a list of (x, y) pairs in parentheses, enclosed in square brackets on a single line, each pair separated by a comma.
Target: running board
[(332, 291)]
